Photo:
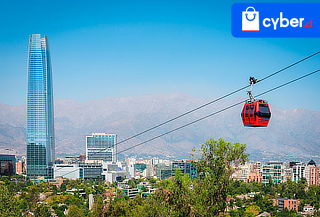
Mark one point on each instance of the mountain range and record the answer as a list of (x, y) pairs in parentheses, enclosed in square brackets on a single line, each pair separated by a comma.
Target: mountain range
[(293, 134)]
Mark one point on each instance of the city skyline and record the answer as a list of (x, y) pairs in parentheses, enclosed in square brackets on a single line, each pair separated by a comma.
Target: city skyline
[(40, 120), (108, 82)]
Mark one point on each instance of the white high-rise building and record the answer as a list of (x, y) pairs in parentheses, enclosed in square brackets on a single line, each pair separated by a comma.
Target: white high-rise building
[(273, 170), (101, 146), (298, 171)]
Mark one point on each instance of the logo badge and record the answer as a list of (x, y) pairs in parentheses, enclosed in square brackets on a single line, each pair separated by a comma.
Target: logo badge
[(275, 20)]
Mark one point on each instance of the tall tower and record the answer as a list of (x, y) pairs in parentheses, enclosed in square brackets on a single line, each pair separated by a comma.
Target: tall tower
[(40, 124)]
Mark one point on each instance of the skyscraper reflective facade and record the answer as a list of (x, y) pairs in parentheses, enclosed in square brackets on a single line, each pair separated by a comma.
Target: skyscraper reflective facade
[(40, 123)]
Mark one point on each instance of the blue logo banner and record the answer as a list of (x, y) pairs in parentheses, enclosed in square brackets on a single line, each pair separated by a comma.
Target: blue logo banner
[(276, 20)]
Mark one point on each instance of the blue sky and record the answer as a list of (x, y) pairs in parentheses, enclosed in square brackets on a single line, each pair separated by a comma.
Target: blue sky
[(129, 48)]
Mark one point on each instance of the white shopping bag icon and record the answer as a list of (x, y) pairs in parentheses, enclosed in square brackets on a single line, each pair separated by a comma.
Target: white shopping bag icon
[(250, 20)]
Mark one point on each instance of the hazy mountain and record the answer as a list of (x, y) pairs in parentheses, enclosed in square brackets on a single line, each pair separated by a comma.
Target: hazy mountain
[(293, 132)]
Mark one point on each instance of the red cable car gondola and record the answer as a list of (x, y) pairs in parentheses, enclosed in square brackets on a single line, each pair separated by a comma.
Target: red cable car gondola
[(255, 113)]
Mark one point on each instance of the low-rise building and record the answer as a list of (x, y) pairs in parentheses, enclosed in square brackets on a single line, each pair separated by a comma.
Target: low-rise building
[(163, 171), (242, 172), (184, 166), (285, 203), (20, 167), (74, 191), (69, 171), (110, 194), (264, 214), (114, 171), (57, 181), (79, 170), (308, 210), (130, 192), (148, 193), (255, 176), (82, 157), (91, 171), (247, 196)]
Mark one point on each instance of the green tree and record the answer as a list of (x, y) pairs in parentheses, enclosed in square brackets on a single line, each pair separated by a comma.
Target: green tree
[(252, 211), (120, 206), (98, 189), (316, 213), (237, 212), (287, 213), (23, 204), (42, 210), (98, 207), (144, 189), (59, 210), (293, 190), (215, 168), (74, 211), (313, 196), (32, 195), (264, 203), (133, 182), (8, 203), (178, 194), (54, 189), (152, 206)]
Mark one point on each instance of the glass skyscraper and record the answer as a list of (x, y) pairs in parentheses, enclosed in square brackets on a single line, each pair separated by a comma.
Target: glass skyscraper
[(40, 124), (7, 162), (101, 146)]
